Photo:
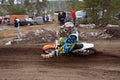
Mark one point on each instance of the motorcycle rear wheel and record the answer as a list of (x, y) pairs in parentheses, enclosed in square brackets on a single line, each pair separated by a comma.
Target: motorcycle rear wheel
[(89, 51)]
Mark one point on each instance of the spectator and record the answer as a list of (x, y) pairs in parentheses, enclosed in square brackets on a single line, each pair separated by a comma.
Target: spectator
[(73, 15), (118, 18), (47, 18), (43, 17), (16, 25), (64, 14), (61, 18), (50, 18), (86, 18)]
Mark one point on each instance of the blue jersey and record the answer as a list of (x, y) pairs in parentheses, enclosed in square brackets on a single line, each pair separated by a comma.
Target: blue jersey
[(68, 44)]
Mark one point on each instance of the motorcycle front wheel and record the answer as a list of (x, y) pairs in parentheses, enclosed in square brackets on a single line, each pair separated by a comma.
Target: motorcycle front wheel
[(48, 53), (51, 50)]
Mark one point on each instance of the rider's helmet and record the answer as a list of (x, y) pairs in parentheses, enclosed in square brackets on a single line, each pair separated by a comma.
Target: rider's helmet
[(68, 26)]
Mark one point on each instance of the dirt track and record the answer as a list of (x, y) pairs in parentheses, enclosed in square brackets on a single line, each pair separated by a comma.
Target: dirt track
[(23, 62)]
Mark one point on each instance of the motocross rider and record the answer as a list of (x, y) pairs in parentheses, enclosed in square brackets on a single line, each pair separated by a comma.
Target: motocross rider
[(64, 46)]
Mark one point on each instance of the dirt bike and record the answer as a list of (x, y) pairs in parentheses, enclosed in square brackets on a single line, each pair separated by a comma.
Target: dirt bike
[(82, 48)]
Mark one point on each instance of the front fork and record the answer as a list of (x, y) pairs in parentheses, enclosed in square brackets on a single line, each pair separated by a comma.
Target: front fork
[(56, 52)]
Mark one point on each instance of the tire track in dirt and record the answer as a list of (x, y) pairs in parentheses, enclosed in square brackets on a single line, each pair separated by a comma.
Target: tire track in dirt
[(25, 63)]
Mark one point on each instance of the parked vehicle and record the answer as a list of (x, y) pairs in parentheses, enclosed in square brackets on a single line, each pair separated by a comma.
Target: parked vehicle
[(38, 20), (23, 22), (0, 20), (5, 20), (30, 21), (80, 14), (12, 17)]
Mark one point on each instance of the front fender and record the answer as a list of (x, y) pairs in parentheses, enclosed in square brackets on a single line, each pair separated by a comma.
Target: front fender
[(48, 46)]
